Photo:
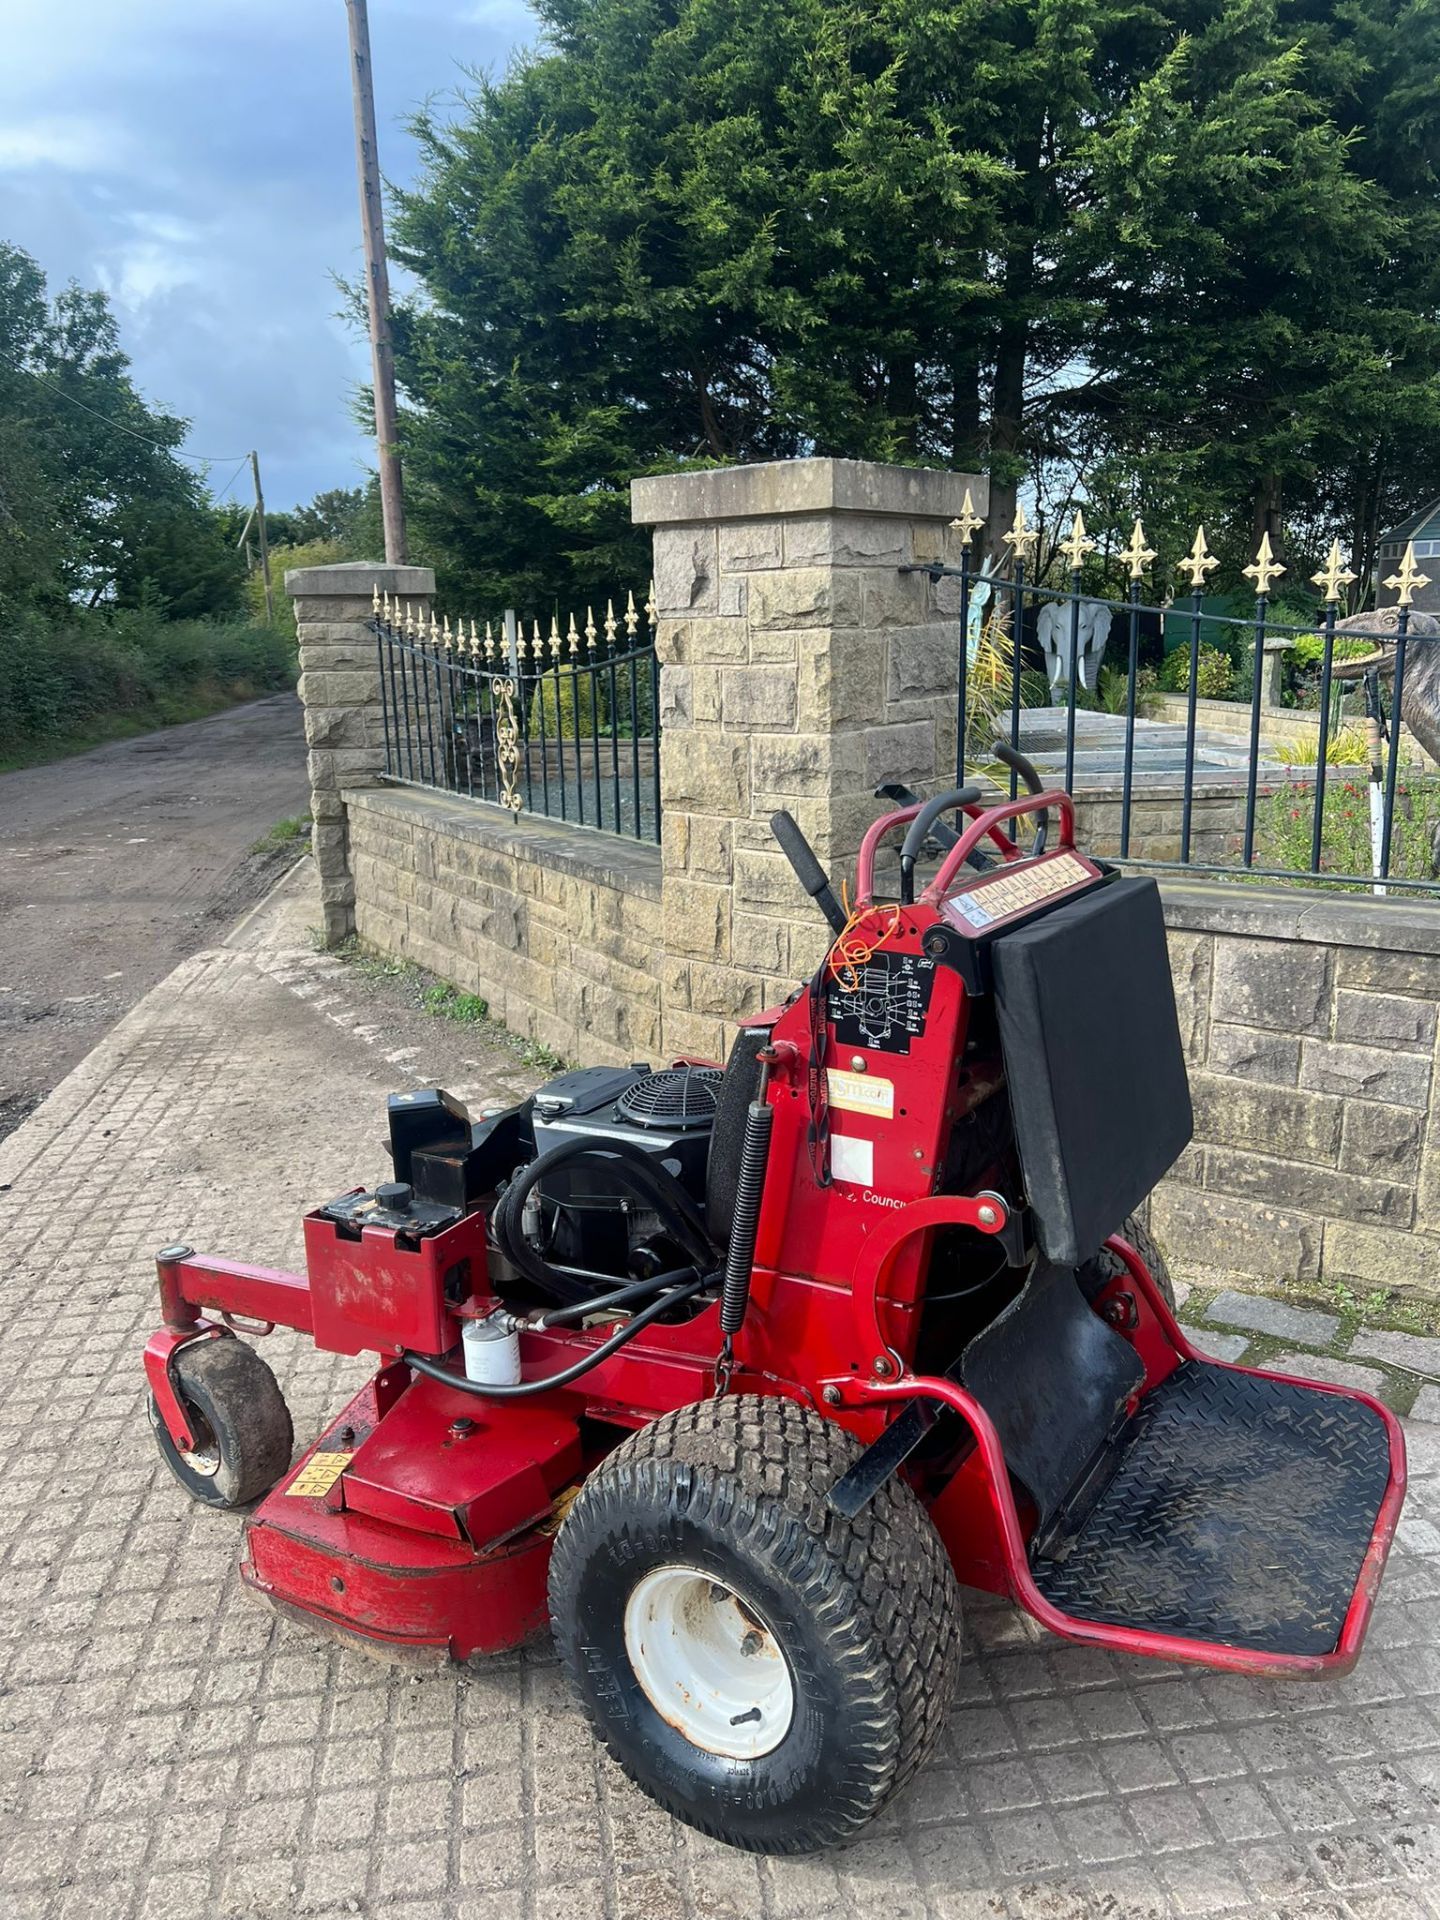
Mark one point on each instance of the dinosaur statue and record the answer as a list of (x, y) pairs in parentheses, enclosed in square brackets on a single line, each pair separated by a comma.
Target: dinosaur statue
[(1420, 695)]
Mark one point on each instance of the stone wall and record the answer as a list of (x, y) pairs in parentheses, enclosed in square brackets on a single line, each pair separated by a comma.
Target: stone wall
[(1310, 1027), (800, 665), (558, 929)]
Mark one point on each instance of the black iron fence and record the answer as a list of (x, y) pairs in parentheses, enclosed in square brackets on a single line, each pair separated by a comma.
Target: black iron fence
[(563, 723), (1201, 737)]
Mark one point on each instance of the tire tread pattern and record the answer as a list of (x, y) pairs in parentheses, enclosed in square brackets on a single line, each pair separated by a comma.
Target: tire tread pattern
[(880, 1587)]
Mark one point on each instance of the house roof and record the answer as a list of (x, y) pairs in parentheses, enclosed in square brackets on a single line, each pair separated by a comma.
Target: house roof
[(1424, 525)]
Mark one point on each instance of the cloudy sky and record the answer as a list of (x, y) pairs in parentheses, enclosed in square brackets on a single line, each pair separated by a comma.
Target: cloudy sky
[(196, 159)]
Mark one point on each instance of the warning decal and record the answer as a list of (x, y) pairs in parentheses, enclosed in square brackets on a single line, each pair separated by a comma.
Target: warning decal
[(319, 1474)]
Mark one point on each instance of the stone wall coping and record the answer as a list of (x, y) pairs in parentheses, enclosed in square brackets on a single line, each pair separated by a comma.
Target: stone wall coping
[(628, 865), (1394, 924), (359, 577), (773, 488)]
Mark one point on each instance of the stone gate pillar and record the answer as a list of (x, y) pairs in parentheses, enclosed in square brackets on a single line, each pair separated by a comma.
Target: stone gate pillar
[(799, 668), (340, 686)]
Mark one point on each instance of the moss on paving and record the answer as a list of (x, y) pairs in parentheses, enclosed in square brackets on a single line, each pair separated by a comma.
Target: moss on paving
[(442, 999)]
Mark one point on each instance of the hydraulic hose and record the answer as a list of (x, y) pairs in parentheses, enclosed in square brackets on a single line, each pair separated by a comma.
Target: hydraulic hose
[(621, 1297), (433, 1370), (628, 1167)]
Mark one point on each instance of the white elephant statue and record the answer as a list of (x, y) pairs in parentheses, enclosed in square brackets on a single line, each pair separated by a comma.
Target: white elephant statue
[(1054, 626)]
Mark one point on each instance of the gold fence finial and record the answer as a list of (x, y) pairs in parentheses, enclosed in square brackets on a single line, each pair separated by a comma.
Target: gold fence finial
[(375, 600), (489, 643), (448, 636), (1198, 562), (556, 643), (572, 636), (1021, 537), (407, 624), (967, 520), (1137, 556), (1333, 575), (611, 625), (1404, 583), (591, 630), (537, 645), (632, 618), (652, 612), (1263, 568), (1078, 545)]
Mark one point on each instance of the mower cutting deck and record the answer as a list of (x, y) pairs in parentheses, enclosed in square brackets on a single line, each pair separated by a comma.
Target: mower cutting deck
[(733, 1373)]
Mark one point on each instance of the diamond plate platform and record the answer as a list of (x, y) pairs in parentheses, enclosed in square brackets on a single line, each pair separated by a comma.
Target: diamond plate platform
[(1239, 1510)]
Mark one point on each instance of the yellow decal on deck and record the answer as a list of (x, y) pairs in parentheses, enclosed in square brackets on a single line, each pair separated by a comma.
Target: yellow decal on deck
[(859, 1093), (319, 1474)]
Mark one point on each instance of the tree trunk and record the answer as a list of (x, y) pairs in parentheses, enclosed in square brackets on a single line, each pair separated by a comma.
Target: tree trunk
[(965, 443), (1007, 426), (1267, 513)]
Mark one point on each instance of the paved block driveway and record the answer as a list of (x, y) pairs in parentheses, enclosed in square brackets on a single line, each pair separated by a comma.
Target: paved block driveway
[(167, 1748)]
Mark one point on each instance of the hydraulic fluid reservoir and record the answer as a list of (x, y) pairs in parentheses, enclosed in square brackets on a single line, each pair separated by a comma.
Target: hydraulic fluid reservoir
[(492, 1351)]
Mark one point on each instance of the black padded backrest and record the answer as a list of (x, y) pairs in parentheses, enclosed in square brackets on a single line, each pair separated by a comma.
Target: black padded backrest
[(1054, 1379), (722, 1167), (1093, 1062)]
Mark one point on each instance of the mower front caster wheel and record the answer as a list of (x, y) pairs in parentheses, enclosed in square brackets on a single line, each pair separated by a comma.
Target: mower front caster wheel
[(239, 1423), (763, 1668)]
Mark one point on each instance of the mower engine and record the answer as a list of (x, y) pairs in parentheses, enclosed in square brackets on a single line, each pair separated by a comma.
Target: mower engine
[(736, 1371)]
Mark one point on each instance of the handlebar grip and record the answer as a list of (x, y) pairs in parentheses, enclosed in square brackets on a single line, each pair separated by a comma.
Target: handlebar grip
[(808, 870), (920, 827), (903, 796), (1012, 757)]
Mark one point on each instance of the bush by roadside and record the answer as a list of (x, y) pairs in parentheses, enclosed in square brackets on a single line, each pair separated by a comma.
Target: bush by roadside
[(70, 682)]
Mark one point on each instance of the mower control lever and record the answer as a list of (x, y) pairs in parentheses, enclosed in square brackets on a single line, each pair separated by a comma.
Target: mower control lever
[(1012, 757), (919, 830), (903, 796), (808, 870)]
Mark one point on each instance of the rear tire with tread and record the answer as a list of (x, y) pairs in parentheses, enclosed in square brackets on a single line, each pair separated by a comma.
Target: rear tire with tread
[(1101, 1268), (866, 1613)]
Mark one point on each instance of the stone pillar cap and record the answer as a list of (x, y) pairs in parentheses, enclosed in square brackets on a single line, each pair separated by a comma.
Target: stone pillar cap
[(776, 487), (358, 579)]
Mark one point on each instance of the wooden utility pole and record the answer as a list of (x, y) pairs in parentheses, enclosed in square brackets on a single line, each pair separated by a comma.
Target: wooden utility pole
[(377, 283), (264, 542)]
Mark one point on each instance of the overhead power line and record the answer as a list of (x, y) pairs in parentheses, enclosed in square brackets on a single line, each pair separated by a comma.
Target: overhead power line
[(196, 459)]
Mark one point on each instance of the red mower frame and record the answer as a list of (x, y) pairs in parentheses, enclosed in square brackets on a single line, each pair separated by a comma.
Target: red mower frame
[(397, 1526)]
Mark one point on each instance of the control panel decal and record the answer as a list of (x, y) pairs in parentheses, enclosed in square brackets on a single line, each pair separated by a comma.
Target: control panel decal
[(887, 1010)]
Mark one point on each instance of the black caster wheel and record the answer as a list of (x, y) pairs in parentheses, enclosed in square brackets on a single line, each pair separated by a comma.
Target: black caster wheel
[(239, 1422)]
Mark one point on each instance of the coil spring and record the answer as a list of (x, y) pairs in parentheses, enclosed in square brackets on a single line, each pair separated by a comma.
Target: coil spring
[(749, 1190)]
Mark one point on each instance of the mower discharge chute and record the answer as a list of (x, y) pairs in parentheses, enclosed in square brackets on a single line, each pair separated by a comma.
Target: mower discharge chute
[(736, 1373)]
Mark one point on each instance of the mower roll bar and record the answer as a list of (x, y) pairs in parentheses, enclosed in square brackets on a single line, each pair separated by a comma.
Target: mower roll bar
[(990, 823)]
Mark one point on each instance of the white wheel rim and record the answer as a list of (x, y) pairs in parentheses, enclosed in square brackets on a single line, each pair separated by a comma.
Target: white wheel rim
[(709, 1664)]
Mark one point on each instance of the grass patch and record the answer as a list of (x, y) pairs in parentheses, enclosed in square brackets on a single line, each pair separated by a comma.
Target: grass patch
[(284, 833), (440, 999)]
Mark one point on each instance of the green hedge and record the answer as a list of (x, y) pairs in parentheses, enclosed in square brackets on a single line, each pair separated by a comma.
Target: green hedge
[(86, 674)]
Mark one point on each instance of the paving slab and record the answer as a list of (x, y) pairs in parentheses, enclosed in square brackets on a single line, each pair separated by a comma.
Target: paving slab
[(167, 1747), (1262, 1315), (1325, 1366), (1417, 1352), (1219, 1346), (1427, 1404)]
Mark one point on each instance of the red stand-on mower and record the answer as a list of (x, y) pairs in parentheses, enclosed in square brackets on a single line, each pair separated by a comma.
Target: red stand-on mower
[(736, 1374)]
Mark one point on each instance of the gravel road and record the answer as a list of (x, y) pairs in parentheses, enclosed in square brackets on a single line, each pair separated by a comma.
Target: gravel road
[(117, 864)]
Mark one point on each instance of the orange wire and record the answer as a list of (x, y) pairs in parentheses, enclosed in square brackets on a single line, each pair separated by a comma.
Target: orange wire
[(854, 948)]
